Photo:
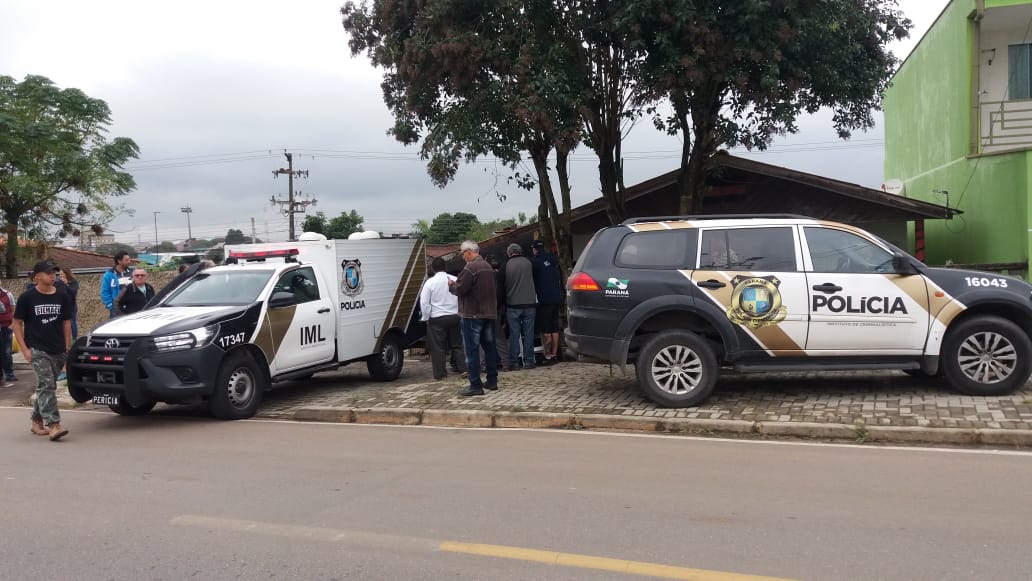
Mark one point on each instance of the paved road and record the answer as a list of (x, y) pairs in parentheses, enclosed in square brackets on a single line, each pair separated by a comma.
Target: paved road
[(174, 498), (874, 406)]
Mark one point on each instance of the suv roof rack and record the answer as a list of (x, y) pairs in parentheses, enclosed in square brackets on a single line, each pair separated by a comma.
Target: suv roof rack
[(713, 217)]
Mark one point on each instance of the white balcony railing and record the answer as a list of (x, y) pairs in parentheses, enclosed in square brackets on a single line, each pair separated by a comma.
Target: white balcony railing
[(1006, 125)]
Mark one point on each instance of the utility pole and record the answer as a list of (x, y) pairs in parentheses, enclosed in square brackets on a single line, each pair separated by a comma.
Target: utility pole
[(292, 206), (156, 227), (189, 232), (254, 237)]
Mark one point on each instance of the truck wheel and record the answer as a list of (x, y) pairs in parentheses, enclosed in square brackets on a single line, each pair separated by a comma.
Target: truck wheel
[(677, 369), (986, 355), (238, 389), (123, 408), (386, 364)]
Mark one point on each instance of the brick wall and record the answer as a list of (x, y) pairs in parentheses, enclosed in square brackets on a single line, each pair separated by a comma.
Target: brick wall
[(91, 311)]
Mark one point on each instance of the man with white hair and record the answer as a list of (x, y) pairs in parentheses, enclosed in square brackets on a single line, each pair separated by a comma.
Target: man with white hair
[(478, 307)]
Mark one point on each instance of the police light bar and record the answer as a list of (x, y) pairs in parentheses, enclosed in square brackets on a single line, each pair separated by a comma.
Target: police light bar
[(263, 254)]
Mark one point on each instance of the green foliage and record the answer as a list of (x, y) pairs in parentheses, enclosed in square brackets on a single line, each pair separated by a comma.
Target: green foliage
[(57, 169), (450, 228), (740, 73), (234, 236), (338, 228), (112, 249), (314, 223), (216, 254), (165, 246)]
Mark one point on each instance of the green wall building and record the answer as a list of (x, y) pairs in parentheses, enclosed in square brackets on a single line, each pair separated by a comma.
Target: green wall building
[(958, 132)]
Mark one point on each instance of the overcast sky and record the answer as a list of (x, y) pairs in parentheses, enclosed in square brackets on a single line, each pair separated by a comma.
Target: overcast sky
[(215, 92)]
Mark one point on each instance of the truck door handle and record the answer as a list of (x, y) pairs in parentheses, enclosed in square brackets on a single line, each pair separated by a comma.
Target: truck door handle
[(827, 288), (324, 310), (711, 284)]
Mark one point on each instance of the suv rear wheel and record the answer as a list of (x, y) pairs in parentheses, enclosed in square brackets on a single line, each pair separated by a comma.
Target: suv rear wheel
[(987, 355), (677, 369)]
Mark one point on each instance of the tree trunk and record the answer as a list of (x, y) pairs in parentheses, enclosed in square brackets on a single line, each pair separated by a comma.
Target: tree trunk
[(11, 252), (546, 196), (563, 235), (696, 152)]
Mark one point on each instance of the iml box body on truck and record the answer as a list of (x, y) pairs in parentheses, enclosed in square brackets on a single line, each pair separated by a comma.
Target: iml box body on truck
[(284, 311)]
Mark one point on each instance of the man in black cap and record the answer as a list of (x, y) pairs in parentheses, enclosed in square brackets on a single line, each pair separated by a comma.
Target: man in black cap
[(42, 324)]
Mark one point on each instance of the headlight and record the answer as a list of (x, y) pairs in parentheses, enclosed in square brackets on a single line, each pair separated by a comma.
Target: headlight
[(186, 340)]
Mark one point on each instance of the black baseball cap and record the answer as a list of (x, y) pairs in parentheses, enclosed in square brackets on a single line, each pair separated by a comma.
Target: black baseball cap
[(537, 244), (43, 266)]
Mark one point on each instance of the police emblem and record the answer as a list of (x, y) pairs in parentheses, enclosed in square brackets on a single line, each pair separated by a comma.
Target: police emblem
[(351, 281), (756, 301)]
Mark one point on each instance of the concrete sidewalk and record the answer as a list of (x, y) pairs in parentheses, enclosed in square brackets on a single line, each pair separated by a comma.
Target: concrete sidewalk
[(884, 406)]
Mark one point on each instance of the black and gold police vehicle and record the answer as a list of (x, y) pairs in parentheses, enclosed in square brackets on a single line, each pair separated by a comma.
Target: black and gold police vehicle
[(682, 297)]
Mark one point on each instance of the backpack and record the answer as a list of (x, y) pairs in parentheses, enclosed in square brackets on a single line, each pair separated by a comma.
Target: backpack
[(6, 301)]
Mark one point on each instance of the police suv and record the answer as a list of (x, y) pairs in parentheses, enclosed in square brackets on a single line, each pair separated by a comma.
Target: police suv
[(681, 297), (284, 311)]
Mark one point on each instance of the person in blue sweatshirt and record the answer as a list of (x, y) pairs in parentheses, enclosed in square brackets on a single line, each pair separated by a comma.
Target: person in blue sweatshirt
[(114, 280)]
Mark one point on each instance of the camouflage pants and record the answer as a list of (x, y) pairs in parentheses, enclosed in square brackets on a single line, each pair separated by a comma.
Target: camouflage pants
[(47, 367)]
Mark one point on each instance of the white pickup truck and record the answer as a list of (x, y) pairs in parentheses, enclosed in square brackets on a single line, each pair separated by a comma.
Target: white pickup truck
[(284, 311)]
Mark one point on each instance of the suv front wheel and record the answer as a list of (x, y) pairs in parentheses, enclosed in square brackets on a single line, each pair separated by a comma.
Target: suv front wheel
[(677, 369), (986, 355)]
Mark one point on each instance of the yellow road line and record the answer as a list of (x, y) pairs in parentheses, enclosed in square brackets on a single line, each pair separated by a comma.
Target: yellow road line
[(385, 541), (599, 563)]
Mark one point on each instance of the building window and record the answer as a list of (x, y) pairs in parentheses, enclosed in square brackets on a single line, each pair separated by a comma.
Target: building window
[(1019, 72)]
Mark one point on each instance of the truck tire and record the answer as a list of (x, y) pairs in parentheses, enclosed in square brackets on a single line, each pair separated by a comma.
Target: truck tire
[(986, 355), (238, 389), (123, 408), (386, 364), (677, 369)]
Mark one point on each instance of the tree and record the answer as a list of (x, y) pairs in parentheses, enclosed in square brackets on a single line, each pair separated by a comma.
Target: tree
[(740, 73), (450, 228), (56, 166), (314, 223), (511, 79), (344, 225), (165, 246), (114, 248), (234, 236)]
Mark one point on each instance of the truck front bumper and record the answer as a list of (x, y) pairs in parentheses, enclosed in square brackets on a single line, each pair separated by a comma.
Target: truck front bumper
[(139, 374)]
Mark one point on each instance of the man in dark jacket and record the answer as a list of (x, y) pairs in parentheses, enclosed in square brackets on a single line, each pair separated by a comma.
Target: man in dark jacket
[(520, 307), (478, 308), (548, 281), (134, 297)]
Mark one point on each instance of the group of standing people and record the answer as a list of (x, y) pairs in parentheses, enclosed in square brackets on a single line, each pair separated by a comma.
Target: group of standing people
[(526, 292)]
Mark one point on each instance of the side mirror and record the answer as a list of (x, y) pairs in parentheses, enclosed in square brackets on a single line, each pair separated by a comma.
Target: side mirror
[(281, 299), (901, 265)]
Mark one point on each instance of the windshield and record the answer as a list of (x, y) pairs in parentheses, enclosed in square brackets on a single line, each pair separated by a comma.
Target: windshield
[(228, 287)]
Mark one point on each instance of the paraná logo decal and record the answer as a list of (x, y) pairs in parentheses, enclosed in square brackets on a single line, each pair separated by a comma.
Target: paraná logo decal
[(617, 287)]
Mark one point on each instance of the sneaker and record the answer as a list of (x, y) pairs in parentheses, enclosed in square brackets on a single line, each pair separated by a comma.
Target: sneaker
[(57, 432), (471, 391), (490, 386), (38, 428), (11, 378)]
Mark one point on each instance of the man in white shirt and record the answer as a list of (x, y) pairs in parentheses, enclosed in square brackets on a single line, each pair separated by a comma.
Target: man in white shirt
[(440, 309)]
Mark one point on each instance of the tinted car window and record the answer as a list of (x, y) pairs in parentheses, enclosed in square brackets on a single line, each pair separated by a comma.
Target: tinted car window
[(767, 249), (663, 249), (834, 250), (301, 283)]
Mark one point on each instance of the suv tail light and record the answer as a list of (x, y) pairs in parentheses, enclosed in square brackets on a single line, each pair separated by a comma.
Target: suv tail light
[(581, 282)]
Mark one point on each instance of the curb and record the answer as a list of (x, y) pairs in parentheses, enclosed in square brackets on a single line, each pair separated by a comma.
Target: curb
[(858, 433)]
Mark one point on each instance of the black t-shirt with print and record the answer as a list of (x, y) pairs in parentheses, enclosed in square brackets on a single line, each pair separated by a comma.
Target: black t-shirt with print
[(44, 317)]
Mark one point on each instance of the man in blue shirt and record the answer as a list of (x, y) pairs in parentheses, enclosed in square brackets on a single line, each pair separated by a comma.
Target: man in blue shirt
[(548, 281), (114, 280)]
